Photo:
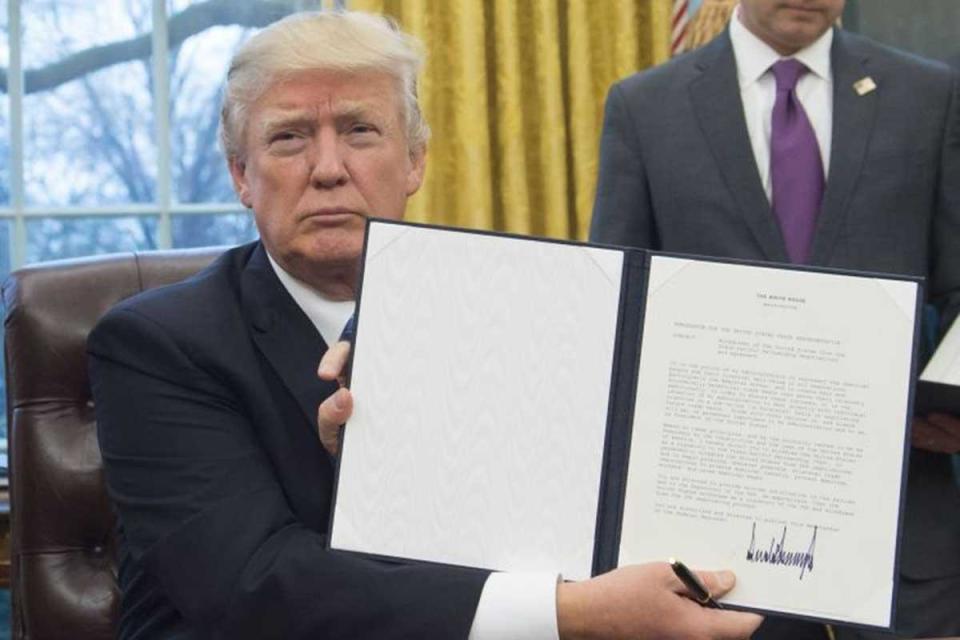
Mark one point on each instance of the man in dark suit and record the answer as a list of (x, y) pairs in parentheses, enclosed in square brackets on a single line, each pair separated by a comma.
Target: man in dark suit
[(692, 160), (207, 395)]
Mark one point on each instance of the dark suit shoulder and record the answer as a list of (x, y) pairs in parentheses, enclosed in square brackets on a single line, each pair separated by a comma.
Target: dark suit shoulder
[(906, 66), (209, 295), (196, 322), (204, 289)]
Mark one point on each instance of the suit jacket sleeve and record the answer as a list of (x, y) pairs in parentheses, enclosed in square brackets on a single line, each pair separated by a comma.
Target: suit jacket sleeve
[(622, 212), (203, 511), (945, 234)]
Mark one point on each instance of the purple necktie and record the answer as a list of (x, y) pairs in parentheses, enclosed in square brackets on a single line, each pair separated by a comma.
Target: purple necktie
[(796, 170)]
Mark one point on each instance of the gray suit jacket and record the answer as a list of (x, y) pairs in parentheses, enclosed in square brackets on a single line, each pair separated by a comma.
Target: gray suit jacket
[(677, 173)]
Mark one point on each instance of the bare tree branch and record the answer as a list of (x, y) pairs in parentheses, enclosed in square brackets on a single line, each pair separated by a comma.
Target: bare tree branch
[(206, 161), (190, 21), (120, 153)]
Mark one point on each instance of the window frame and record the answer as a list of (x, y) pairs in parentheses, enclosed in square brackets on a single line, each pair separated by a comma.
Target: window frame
[(164, 208), (18, 213)]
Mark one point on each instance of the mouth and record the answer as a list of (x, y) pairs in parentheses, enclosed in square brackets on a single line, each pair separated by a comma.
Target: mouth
[(803, 15), (331, 215), (802, 8)]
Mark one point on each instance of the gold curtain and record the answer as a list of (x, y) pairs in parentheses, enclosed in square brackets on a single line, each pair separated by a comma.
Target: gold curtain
[(710, 19), (513, 91)]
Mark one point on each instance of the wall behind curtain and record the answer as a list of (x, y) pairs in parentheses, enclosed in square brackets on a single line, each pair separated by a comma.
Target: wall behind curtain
[(513, 91)]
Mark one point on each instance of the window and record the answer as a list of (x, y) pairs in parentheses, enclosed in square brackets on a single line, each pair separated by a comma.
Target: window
[(108, 127)]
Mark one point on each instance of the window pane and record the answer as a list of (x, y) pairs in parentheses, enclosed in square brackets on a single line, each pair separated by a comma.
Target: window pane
[(54, 29), (6, 227), (88, 119), (4, 37), (4, 271), (4, 224), (4, 116), (198, 67), (4, 153), (70, 237), (196, 230)]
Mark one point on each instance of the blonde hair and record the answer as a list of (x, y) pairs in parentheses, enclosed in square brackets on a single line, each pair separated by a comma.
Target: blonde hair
[(349, 41)]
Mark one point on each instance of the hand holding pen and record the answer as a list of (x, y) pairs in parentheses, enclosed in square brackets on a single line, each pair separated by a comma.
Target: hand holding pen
[(698, 591), (648, 601)]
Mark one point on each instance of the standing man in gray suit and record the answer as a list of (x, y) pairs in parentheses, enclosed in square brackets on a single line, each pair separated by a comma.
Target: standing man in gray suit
[(788, 140)]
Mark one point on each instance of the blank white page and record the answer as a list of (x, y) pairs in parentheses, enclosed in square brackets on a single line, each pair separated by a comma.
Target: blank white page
[(481, 381)]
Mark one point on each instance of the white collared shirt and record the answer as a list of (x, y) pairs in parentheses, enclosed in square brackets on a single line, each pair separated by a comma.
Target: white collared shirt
[(512, 606), (758, 91), (328, 316)]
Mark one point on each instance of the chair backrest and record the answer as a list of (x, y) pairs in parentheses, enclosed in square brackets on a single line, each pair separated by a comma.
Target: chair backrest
[(63, 562)]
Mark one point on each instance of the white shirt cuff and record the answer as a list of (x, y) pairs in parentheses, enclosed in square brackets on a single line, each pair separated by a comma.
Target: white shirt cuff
[(517, 606)]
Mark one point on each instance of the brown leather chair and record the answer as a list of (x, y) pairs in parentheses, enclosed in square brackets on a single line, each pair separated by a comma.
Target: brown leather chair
[(63, 561)]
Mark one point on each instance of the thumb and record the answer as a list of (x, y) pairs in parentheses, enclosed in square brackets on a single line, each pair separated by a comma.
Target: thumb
[(334, 361), (332, 413), (717, 583)]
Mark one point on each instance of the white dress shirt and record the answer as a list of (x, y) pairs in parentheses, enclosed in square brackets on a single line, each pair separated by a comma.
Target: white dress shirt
[(328, 316), (512, 606), (758, 91)]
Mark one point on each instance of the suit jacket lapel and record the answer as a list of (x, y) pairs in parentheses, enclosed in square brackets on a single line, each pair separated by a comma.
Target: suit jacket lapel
[(853, 120), (284, 334), (715, 94)]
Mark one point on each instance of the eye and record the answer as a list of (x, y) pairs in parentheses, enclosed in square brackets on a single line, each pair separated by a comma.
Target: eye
[(362, 127), (282, 136), (285, 142)]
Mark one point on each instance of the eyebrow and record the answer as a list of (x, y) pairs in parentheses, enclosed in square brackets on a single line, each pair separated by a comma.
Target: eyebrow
[(272, 123)]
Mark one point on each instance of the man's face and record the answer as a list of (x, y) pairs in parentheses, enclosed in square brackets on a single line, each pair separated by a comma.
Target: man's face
[(323, 150), (789, 25)]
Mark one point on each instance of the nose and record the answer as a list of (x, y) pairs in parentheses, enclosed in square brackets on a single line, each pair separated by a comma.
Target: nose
[(328, 169)]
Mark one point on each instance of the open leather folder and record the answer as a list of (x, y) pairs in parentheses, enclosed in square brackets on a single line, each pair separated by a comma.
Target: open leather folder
[(529, 404)]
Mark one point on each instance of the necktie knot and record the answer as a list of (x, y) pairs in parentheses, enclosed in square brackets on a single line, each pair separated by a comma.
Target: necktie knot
[(787, 73)]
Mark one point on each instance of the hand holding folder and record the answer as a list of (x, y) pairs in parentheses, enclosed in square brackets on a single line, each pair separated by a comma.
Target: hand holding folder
[(335, 410), (938, 432)]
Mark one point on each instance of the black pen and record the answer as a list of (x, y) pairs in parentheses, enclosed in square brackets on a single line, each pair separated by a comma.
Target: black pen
[(692, 583)]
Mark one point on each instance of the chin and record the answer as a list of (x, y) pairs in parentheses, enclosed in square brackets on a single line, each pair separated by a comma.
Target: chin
[(335, 249), (800, 36)]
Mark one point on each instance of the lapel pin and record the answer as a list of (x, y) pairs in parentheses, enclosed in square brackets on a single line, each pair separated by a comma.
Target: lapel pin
[(864, 85)]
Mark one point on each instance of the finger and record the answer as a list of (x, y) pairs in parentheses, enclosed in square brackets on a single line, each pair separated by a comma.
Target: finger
[(732, 625), (333, 361), (717, 583), (947, 423), (945, 439), (933, 437), (725, 624), (332, 413), (922, 434)]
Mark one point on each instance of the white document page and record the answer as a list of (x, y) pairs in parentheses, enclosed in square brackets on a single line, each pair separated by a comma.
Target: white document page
[(481, 381), (944, 366), (769, 432)]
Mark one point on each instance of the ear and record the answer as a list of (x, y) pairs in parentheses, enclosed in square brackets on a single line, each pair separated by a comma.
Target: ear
[(418, 166), (238, 173)]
